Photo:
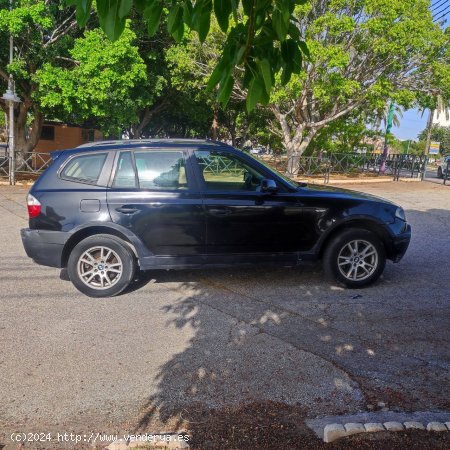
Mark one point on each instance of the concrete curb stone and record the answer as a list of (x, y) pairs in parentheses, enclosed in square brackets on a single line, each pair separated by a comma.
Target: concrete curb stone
[(393, 426), (335, 431), (414, 425), (436, 426), (374, 427), (354, 428)]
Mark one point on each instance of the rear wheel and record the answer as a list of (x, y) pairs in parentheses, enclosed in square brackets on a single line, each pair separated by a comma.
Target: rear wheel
[(101, 266), (355, 258), (440, 174)]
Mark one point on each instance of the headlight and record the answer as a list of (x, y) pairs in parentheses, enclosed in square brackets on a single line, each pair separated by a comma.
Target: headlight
[(400, 214)]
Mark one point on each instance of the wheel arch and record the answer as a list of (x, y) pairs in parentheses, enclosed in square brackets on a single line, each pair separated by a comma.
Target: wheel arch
[(361, 223), (92, 230)]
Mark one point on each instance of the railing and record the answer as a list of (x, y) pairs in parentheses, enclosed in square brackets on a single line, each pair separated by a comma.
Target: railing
[(397, 166), (32, 164)]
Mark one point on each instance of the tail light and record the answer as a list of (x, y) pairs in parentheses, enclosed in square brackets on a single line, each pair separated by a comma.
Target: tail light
[(34, 206)]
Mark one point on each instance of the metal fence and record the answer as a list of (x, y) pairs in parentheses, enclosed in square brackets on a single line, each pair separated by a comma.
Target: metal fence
[(396, 166), (30, 165)]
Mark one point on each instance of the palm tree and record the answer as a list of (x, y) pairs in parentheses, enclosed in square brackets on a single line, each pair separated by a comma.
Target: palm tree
[(382, 116), (440, 106)]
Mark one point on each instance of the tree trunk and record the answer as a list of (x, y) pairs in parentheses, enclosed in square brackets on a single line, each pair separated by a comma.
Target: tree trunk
[(295, 149), (26, 137), (295, 142), (215, 125), (136, 132), (429, 128)]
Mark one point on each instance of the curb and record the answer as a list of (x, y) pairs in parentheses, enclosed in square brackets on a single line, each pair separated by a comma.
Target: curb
[(335, 431)]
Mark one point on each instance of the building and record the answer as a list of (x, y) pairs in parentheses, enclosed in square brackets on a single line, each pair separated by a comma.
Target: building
[(59, 136), (442, 118)]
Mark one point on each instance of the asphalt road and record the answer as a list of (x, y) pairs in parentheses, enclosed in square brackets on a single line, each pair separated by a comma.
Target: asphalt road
[(187, 341)]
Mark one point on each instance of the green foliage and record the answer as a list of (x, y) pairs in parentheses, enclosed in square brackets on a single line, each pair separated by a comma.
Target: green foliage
[(76, 77), (438, 134), (363, 55), (191, 64), (99, 86), (344, 135), (261, 36)]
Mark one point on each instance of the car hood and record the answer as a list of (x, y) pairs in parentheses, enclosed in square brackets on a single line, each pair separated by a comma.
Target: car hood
[(342, 193)]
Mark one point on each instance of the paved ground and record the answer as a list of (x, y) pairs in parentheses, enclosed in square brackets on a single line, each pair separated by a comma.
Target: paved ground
[(183, 342), (431, 176)]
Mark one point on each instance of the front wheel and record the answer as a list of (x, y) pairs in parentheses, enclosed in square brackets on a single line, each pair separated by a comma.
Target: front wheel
[(355, 258), (101, 266), (440, 173)]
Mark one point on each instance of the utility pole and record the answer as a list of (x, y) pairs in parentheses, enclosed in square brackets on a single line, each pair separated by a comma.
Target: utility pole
[(390, 118), (10, 97)]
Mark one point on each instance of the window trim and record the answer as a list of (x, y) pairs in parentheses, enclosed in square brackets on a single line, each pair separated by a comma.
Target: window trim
[(101, 180)]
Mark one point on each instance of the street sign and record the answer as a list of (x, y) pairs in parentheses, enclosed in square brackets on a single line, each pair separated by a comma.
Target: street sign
[(434, 148)]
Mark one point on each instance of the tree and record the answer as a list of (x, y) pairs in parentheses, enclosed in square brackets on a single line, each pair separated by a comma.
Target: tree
[(191, 64), (64, 73), (362, 55), (346, 134), (42, 31), (438, 134), (261, 36), (98, 87)]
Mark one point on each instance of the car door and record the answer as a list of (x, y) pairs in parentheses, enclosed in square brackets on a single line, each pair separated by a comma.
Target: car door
[(153, 194), (239, 218)]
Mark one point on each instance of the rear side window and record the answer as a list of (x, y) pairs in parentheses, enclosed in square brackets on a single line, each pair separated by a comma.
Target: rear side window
[(84, 168), (161, 170)]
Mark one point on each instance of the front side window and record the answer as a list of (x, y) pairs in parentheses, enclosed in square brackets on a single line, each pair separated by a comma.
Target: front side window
[(161, 170), (84, 168), (222, 171)]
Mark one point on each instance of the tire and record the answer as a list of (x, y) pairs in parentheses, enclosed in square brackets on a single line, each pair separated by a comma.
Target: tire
[(341, 264), (85, 266), (440, 174)]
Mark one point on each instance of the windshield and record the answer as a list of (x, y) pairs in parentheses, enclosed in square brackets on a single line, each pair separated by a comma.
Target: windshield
[(291, 183)]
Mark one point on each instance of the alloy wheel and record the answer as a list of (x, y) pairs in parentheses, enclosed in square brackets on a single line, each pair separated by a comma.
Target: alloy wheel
[(99, 267), (357, 260)]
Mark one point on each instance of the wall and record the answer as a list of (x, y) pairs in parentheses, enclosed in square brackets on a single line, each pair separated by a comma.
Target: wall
[(64, 137)]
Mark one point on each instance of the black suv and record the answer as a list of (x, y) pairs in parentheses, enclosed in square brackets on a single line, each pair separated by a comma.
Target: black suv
[(104, 209)]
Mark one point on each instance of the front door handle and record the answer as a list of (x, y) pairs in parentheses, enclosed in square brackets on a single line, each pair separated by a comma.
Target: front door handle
[(220, 211), (127, 209)]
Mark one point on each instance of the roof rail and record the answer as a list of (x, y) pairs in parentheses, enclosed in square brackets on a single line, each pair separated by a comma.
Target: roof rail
[(150, 141)]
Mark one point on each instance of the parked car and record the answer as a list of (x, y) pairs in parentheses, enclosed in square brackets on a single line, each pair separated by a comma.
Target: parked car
[(258, 150), (443, 167), (106, 209)]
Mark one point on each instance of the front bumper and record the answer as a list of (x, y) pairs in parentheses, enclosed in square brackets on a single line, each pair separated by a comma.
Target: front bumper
[(44, 247), (400, 243)]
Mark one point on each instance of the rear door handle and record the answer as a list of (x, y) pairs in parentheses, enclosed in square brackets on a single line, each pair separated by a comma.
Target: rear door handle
[(220, 211), (127, 209)]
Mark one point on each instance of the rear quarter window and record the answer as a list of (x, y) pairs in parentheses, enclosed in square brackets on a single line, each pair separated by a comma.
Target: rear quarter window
[(84, 168)]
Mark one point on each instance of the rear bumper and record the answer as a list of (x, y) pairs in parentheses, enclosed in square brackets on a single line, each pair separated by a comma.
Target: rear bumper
[(400, 244), (44, 247)]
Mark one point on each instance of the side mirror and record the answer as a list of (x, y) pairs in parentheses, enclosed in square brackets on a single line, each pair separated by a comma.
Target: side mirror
[(268, 186)]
